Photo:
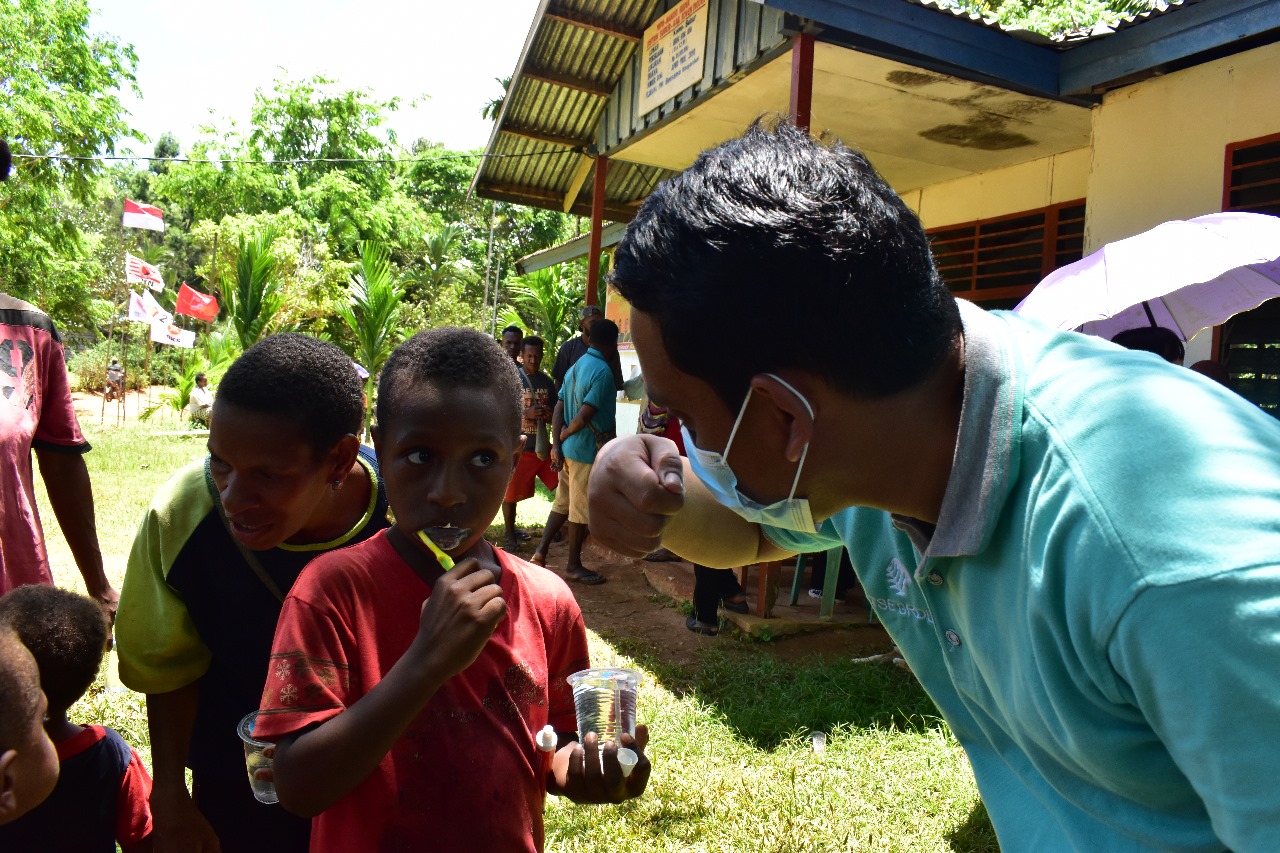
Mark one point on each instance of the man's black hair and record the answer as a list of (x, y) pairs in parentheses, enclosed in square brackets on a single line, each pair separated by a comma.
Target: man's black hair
[(798, 246), (533, 341), (1157, 339), (19, 692), (200, 376), (66, 634), (513, 328), (603, 333), (309, 381), (449, 357)]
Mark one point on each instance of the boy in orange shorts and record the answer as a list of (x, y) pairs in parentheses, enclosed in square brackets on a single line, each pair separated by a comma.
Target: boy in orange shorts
[(537, 399)]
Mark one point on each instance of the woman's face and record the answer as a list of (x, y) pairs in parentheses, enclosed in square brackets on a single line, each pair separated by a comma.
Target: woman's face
[(269, 478)]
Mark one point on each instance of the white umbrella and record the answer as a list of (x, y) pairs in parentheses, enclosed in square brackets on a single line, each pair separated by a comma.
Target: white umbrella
[(1185, 275)]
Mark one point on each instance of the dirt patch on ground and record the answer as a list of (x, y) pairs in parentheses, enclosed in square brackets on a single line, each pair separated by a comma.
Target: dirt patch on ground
[(629, 611)]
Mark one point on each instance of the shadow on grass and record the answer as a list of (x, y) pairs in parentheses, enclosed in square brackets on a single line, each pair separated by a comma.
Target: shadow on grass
[(765, 699), (976, 834)]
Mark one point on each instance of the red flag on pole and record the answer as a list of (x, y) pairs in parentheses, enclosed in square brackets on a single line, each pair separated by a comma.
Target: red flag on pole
[(193, 303), (139, 215)]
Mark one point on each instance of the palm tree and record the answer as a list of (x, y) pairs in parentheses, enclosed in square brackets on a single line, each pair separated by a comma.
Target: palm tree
[(442, 266), (493, 108), (256, 298), (373, 313), (547, 302)]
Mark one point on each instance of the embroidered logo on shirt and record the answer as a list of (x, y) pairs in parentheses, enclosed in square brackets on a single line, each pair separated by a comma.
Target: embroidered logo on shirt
[(898, 577)]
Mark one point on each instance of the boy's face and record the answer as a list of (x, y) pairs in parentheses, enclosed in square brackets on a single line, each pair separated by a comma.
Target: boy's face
[(531, 358), (29, 770), (446, 458), (267, 474)]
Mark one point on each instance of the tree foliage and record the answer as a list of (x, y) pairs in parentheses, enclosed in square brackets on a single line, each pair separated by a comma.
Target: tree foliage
[(1055, 16), (254, 302), (372, 313), (59, 88)]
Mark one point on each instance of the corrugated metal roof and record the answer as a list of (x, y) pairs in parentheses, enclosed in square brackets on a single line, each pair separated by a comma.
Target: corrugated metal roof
[(574, 57), (572, 60)]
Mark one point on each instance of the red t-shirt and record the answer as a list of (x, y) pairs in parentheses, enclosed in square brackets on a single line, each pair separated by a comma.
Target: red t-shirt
[(466, 775), (35, 411)]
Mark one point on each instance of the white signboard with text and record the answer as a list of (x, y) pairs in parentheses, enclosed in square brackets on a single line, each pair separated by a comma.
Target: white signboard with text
[(672, 53)]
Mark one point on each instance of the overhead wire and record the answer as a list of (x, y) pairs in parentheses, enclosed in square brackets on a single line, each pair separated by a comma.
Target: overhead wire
[(286, 162)]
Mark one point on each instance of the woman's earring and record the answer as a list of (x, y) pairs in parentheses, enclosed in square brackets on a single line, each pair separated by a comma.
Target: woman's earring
[(337, 484)]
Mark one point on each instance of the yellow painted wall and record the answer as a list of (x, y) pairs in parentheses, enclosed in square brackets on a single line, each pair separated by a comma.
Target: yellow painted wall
[(1027, 186), (1159, 146)]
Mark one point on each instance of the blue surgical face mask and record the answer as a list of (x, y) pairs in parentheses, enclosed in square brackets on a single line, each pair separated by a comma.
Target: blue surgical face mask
[(713, 470)]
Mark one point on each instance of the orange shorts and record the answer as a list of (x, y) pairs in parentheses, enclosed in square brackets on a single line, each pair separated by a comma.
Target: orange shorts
[(529, 467)]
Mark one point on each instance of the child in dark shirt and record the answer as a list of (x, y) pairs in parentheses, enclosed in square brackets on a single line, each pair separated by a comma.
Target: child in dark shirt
[(404, 697), (102, 789)]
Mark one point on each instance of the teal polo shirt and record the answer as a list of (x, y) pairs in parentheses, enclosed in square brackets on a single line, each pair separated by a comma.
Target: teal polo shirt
[(590, 380), (1097, 612)]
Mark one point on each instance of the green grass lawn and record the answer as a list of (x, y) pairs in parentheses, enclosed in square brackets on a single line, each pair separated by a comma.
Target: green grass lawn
[(733, 765)]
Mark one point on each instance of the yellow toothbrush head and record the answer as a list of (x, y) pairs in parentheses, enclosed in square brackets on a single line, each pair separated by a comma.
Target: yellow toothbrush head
[(446, 562)]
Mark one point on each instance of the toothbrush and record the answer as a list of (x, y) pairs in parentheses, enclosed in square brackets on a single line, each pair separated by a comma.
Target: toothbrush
[(446, 562)]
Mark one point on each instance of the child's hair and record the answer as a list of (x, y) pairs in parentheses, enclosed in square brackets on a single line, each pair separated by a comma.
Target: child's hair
[(307, 380), (449, 357), (19, 692), (66, 634)]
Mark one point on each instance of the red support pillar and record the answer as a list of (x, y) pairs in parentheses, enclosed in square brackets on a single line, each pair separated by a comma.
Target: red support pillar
[(802, 80), (597, 223)]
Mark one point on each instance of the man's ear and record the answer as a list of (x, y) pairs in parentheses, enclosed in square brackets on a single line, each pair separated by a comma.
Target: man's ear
[(795, 410), (8, 787)]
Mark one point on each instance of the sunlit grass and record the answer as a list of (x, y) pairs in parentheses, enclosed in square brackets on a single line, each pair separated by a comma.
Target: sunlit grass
[(733, 765)]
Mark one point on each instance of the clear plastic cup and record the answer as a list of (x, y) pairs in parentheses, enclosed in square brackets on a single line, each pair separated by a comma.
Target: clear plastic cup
[(259, 756), (605, 700)]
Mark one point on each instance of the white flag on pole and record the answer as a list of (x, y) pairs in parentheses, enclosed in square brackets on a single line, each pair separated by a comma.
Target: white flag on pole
[(139, 271), (145, 309), (164, 332)]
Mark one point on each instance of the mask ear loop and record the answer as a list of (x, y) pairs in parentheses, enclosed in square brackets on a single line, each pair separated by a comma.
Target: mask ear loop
[(742, 410)]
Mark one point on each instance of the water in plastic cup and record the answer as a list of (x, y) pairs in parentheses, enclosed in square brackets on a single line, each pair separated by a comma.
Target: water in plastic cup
[(258, 758), (605, 700)]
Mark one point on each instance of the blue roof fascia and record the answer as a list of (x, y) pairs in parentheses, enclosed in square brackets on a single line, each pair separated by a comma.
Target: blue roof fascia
[(1179, 34), (929, 38)]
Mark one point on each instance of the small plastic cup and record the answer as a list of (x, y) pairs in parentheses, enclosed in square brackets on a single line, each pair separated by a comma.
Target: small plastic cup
[(627, 760), (605, 700), (259, 757), (819, 741)]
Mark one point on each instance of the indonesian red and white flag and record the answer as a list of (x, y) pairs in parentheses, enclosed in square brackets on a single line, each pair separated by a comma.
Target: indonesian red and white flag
[(145, 309), (193, 303), (138, 270), (163, 332), (139, 215)]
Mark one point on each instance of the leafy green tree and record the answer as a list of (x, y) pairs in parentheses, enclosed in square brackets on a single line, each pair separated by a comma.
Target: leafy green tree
[(547, 302), (59, 95), (1051, 17), (313, 120), (442, 262), (255, 300), (372, 313)]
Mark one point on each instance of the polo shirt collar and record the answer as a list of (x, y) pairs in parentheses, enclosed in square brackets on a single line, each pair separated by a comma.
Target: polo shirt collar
[(595, 352), (985, 463)]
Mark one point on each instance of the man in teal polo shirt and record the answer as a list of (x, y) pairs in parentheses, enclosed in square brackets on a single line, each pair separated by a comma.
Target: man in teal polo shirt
[(583, 420), (1075, 546)]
